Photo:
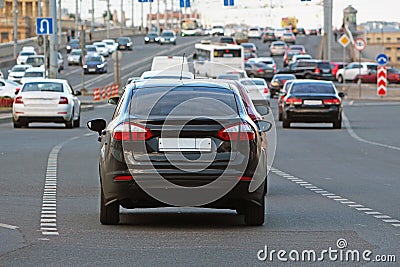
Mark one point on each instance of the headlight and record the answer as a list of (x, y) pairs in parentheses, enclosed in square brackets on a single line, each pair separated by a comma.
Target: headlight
[(172, 39), (100, 66), (129, 44), (162, 39), (68, 47), (85, 66), (157, 39), (146, 38)]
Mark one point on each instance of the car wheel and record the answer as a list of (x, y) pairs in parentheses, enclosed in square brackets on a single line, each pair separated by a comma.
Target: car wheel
[(251, 75), (16, 124), (109, 214), (307, 76), (285, 123), (77, 122), (337, 124), (70, 124), (254, 215), (340, 79)]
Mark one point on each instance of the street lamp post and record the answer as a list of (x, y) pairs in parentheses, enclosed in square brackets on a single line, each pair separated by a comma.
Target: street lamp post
[(53, 41), (15, 28), (76, 18)]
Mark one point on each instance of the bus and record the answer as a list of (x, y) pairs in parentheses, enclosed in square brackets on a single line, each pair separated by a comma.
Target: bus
[(190, 27), (211, 59)]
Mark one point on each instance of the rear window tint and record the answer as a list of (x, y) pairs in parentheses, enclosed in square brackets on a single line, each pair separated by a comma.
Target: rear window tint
[(184, 102), (324, 65), (44, 87), (312, 88)]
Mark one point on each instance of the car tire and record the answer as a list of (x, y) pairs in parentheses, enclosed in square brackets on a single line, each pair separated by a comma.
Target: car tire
[(254, 215), (337, 124), (285, 123), (251, 75), (340, 79), (70, 124), (16, 124), (77, 122), (307, 76), (109, 215)]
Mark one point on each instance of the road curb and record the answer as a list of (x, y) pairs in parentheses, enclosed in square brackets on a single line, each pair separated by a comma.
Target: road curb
[(9, 118)]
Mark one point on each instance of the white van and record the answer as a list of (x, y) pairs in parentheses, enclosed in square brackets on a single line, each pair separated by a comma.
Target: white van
[(170, 63)]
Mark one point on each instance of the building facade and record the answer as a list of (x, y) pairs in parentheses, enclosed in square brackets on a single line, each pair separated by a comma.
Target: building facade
[(27, 13)]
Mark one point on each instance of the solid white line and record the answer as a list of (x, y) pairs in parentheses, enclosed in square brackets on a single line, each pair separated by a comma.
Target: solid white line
[(355, 136), (8, 226)]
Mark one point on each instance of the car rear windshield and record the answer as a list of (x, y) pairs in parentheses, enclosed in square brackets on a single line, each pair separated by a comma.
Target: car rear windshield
[(183, 101), (27, 53), (227, 53), (252, 82), (93, 59), (77, 53), (279, 44), (33, 74), (43, 86), (312, 88), (324, 65), (284, 77), (19, 69)]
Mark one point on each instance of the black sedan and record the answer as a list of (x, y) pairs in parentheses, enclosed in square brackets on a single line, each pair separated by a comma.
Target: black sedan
[(95, 64), (278, 81), (124, 43), (259, 70), (182, 143), (312, 101), (151, 37)]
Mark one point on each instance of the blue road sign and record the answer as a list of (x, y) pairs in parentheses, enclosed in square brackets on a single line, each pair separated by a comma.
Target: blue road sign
[(382, 59), (44, 26), (145, 1), (229, 2), (184, 3)]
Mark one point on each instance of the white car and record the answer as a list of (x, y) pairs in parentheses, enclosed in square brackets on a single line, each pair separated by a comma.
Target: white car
[(217, 30), (17, 72), (23, 56), (35, 61), (298, 57), (353, 69), (92, 50), (111, 45), (47, 100), (257, 84), (279, 32), (75, 57), (102, 48), (60, 62), (32, 74), (254, 33), (8, 88), (166, 74)]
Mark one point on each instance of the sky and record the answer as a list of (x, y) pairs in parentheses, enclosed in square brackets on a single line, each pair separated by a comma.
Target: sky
[(254, 12)]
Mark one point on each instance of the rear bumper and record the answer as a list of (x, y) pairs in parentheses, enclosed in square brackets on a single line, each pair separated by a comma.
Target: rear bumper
[(44, 115), (312, 115)]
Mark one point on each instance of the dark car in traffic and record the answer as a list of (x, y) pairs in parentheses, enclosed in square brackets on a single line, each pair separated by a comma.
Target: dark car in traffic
[(124, 43), (227, 40), (259, 69), (182, 143), (95, 64), (278, 81), (310, 69), (167, 37), (72, 44), (151, 37), (312, 101)]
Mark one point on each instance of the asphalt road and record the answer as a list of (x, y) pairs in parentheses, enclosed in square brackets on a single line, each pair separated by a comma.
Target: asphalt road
[(325, 185)]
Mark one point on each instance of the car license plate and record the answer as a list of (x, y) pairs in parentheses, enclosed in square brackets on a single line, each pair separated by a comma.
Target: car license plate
[(92, 69), (184, 144), (312, 102)]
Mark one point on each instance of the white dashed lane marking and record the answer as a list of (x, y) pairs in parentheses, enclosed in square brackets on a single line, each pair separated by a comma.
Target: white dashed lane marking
[(351, 204)]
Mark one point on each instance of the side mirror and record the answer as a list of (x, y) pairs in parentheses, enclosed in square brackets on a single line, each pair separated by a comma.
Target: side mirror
[(264, 126), (113, 100), (97, 125), (341, 94), (77, 93)]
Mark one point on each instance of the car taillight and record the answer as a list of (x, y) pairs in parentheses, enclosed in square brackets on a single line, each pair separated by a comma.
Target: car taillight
[(236, 132), (17, 90), (260, 71), (317, 71), (332, 101), (131, 132), (274, 68), (18, 100), (63, 100), (266, 90), (293, 101)]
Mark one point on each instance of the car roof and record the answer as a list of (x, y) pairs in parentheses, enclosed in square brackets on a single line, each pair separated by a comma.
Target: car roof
[(176, 82), (50, 81)]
